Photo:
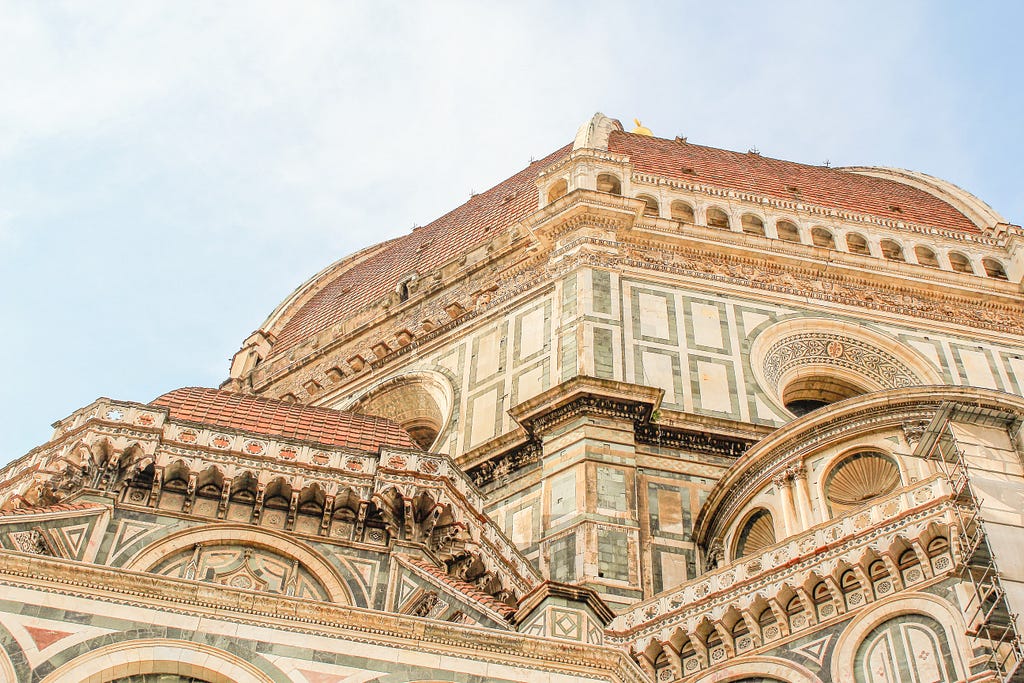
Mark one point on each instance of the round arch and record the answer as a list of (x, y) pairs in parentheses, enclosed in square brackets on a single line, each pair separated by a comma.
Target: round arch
[(220, 534), (420, 401), (148, 656), (849, 457), (897, 605), (770, 668), (825, 360), (6, 667)]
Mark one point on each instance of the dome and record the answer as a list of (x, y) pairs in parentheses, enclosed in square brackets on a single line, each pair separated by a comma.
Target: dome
[(364, 279)]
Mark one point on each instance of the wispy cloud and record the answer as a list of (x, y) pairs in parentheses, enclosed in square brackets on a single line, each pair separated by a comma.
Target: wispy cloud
[(169, 172)]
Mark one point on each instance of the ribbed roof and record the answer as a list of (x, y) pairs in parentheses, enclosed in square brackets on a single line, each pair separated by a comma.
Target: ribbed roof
[(280, 418), (481, 218), (760, 175), (486, 214)]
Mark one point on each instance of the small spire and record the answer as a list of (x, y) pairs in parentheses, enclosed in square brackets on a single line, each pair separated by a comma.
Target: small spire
[(641, 129)]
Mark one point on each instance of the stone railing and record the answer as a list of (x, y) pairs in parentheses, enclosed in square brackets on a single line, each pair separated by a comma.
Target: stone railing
[(819, 550)]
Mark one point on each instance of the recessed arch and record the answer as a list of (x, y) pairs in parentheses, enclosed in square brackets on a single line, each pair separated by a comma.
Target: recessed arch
[(822, 237), (994, 269), (756, 533), (752, 224), (717, 218), (787, 231), (892, 251), (960, 263), (681, 211), (857, 244), (421, 402), (811, 362), (558, 190), (926, 256), (610, 183), (767, 669), (881, 611), (155, 655), (651, 207), (150, 557), (858, 478)]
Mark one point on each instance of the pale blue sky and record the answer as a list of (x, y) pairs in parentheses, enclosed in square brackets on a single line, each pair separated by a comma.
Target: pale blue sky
[(170, 171)]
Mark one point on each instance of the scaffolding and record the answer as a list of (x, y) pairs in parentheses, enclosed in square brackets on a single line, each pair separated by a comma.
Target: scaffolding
[(991, 626)]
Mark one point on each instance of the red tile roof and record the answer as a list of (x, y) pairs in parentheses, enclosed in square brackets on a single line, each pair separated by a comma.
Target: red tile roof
[(279, 418), (486, 214), (467, 589), (817, 185), (481, 218)]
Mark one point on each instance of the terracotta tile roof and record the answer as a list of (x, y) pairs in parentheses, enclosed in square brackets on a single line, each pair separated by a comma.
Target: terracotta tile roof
[(467, 589), (427, 247), (60, 507), (773, 177), (486, 214), (279, 418)]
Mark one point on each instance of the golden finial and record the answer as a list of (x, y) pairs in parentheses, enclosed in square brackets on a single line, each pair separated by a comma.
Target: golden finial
[(641, 129)]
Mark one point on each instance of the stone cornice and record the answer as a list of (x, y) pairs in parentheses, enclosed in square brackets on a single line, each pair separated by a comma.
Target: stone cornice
[(797, 283), (590, 395), (160, 593)]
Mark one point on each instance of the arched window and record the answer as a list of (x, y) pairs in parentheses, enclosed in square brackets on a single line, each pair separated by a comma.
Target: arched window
[(881, 582), (892, 250), (814, 390), (717, 218), (910, 567), (994, 269), (938, 554), (823, 238), (858, 479), (925, 256), (768, 624), (741, 636), (795, 612), (752, 225), (650, 205), (606, 182), (856, 244), (850, 585), (558, 190), (960, 263), (756, 534), (681, 211), (908, 647), (787, 232), (822, 597)]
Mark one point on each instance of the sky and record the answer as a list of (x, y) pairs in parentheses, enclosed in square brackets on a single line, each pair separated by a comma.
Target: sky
[(169, 172)]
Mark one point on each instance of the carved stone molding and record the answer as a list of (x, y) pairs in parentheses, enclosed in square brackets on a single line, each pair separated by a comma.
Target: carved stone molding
[(817, 348)]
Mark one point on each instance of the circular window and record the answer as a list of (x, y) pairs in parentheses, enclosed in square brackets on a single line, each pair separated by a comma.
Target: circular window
[(859, 479), (805, 394)]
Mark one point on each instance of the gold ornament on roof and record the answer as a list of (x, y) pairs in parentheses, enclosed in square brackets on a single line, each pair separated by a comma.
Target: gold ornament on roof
[(641, 129)]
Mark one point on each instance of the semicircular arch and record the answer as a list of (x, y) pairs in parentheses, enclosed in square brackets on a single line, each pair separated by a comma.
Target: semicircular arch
[(849, 641), (321, 570), (421, 401), (826, 360), (158, 656), (769, 669)]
